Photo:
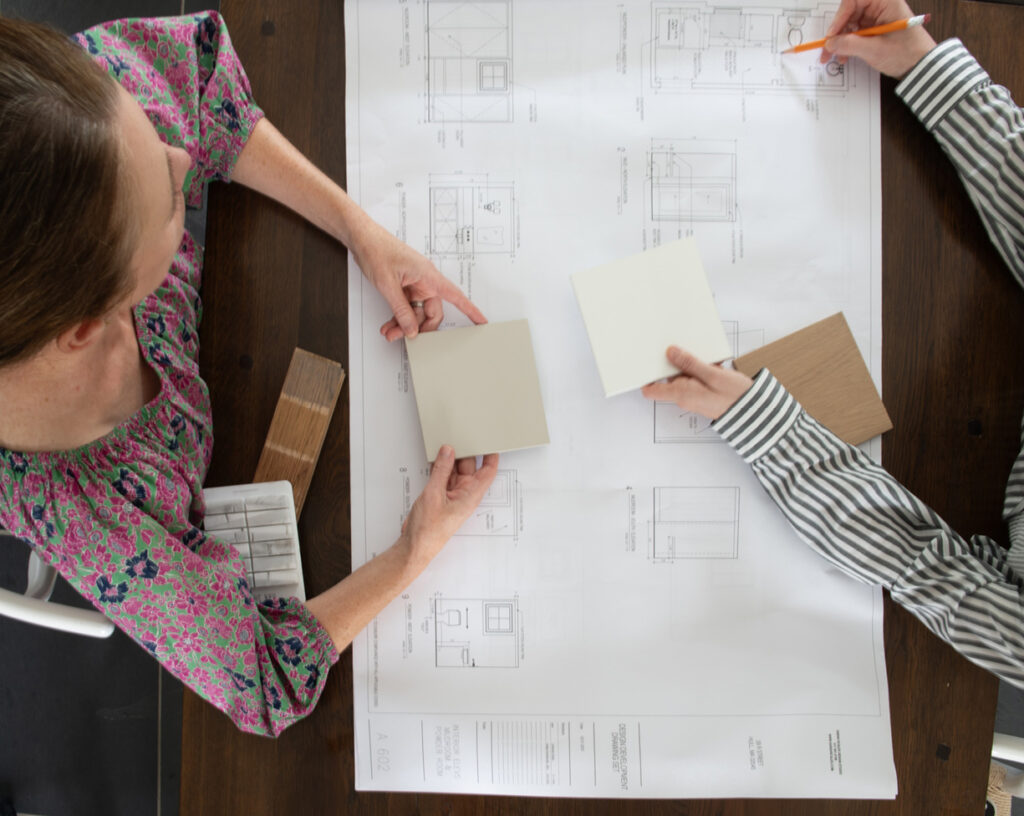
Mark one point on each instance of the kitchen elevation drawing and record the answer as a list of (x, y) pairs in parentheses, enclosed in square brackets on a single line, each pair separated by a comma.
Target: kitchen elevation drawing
[(691, 180), (471, 215), (469, 61), (708, 47)]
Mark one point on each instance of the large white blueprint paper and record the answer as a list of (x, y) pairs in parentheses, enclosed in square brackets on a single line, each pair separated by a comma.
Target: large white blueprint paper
[(626, 614)]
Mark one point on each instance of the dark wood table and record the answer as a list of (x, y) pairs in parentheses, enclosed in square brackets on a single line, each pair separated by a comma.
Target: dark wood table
[(952, 378)]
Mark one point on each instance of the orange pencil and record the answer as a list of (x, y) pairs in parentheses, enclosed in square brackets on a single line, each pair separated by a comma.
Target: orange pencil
[(897, 25)]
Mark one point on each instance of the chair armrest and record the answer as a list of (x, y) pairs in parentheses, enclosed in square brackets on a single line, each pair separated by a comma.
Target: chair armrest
[(54, 616)]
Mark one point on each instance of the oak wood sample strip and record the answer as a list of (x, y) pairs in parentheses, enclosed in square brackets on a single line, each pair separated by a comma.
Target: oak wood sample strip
[(304, 409), (821, 366)]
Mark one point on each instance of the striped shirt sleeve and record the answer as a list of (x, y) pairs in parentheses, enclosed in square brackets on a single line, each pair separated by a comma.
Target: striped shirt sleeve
[(849, 510), (981, 129)]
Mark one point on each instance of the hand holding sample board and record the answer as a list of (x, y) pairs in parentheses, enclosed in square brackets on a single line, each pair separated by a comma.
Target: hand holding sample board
[(636, 307), (477, 389)]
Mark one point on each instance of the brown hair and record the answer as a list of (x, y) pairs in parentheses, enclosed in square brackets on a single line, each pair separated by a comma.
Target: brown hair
[(64, 227)]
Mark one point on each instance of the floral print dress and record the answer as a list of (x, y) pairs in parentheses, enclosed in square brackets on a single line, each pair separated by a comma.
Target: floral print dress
[(120, 518)]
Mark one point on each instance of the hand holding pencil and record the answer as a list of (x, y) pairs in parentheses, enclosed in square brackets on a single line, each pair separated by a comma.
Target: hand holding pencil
[(873, 31), (893, 54)]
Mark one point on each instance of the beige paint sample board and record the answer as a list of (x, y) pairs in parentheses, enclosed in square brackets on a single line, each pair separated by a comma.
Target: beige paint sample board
[(821, 366), (477, 389), (636, 307)]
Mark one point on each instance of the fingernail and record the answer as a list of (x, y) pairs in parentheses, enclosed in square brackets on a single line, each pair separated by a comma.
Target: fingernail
[(445, 452)]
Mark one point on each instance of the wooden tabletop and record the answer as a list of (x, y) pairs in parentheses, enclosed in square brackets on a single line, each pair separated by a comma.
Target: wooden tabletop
[(952, 383)]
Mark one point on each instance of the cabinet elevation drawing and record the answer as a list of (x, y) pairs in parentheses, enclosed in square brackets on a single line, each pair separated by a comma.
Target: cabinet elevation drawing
[(497, 515), (476, 633), (696, 522), (706, 47), (691, 180), (471, 215), (469, 61)]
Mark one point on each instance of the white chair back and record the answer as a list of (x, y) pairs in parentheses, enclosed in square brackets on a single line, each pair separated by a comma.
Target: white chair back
[(34, 605)]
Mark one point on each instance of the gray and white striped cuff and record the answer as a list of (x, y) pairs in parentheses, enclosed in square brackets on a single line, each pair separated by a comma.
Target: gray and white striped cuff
[(942, 78), (760, 418), (1015, 555)]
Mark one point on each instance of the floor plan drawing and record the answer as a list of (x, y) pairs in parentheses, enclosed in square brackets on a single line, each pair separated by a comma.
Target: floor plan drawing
[(691, 180), (706, 47), (695, 522), (672, 424), (469, 61), (471, 215), (476, 634)]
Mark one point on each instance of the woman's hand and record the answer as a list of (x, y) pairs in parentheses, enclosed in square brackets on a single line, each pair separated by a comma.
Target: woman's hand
[(411, 284), (270, 164), (892, 54), (705, 389), (453, 492)]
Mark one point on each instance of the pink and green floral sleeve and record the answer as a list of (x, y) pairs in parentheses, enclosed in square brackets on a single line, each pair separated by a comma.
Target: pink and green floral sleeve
[(186, 75)]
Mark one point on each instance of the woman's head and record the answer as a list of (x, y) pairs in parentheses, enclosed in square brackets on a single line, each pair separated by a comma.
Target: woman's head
[(81, 170)]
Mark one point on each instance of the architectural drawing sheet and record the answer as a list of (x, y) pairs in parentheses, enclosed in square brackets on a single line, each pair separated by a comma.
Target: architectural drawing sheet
[(626, 614)]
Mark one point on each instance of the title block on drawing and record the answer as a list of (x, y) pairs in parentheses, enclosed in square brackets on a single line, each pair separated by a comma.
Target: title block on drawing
[(477, 389), (636, 307)]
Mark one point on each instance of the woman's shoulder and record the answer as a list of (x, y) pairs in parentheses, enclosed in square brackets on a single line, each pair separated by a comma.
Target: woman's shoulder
[(161, 449), (159, 41)]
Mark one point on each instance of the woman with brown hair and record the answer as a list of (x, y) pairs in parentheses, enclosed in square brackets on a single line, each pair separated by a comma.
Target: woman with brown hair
[(105, 426)]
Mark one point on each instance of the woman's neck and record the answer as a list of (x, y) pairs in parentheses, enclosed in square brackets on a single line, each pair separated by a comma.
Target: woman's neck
[(60, 400)]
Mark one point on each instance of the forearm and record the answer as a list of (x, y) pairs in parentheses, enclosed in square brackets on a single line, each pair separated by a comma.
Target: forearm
[(347, 608), (405, 279), (271, 165), (849, 510), (981, 129)]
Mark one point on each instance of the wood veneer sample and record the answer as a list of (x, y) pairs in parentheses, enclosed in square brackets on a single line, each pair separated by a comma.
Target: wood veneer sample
[(821, 366), (304, 409)]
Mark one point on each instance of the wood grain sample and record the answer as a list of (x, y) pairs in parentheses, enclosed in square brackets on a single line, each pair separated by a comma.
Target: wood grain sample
[(308, 396), (821, 366)]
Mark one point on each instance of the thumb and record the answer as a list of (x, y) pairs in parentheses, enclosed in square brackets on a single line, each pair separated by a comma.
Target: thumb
[(404, 316), (684, 361), (441, 471)]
